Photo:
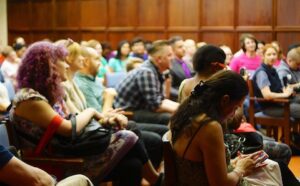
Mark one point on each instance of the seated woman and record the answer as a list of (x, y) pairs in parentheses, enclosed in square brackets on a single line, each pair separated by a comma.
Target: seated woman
[(39, 78), (266, 84), (207, 60), (118, 63), (197, 134)]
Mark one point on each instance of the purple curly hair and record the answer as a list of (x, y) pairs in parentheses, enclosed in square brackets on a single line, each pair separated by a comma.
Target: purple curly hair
[(38, 70)]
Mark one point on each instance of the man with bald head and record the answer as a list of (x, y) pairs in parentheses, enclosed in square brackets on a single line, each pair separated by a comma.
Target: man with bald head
[(289, 70), (96, 95)]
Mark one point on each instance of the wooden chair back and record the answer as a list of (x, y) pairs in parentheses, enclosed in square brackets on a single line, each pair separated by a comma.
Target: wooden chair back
[(271, 123), (169, 162)]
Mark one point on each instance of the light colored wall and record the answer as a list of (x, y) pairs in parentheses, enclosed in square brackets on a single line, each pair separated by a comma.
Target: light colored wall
[(3, 23)]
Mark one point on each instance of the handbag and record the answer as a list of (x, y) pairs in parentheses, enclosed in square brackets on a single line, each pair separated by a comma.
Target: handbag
[(244, 142), (93, 140), (244, 139)]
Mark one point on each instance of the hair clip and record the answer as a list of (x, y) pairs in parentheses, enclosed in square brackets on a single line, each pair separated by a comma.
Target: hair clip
[(199, 88), (218, 65)]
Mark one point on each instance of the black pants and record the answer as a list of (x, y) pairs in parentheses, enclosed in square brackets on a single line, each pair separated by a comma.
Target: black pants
[(151, 136), (146, 116), (128, 172), (288, 178)]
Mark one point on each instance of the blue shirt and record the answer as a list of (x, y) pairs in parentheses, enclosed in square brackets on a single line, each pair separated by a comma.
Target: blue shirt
[(5, 156), (92, 90), (117, 65)]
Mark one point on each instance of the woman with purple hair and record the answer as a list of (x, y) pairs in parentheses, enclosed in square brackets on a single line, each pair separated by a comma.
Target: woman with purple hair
[(39, 103)]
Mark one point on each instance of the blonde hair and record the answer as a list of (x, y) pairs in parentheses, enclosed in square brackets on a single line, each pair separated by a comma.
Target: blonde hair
[(130, 65), (74, 50), (92, 43)]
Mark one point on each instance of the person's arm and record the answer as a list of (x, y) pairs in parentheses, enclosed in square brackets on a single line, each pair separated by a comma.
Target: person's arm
[(16, 172), (109, 95), (41, 113), (167, 106), (268, 94), (234, 66), (4, 98), (212, 146), (69, 103), (149, 86), (264, 84)]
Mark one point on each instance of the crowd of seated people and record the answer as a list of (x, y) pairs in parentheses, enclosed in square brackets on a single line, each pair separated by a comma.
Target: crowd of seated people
[(150, 91)]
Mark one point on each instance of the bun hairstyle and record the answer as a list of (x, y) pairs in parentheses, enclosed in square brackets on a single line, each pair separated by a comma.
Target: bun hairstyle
[(206, 98), (206, 55)]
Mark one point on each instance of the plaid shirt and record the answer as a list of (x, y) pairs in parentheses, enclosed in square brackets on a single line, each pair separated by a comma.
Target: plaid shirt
[(142, 88)]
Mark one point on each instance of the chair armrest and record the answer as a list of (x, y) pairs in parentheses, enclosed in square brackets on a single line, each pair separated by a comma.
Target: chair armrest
[(284, 101)]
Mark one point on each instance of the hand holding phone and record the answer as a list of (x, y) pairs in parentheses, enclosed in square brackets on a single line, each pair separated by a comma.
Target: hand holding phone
[(260, 158)]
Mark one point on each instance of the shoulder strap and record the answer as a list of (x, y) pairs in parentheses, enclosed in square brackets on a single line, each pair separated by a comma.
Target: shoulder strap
[(52, 127), (202, 123)]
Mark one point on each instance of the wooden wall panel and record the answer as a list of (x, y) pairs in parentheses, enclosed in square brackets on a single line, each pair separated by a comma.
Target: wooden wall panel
[(42, 35), (19, 15), (183, 13), (255, 12), (151, 14), (100, 36), (93, 13), (152, 36), (64, 34), (218, 38), (288, 13), (115, 37), (217, 21), (43, 13), (287, 38), (217, 13), (67, 14), (122, 13), (185, 35)]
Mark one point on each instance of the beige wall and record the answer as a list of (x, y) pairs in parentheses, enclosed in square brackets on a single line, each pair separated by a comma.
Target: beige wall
[(3, 23)]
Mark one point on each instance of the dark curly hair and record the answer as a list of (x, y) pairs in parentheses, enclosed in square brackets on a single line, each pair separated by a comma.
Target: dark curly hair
[(38, 70), (206, 98)]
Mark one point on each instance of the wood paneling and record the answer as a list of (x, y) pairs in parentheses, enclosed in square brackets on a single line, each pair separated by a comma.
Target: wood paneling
[(183, 13), (218, 38), (151, 13), (255, 12), (218, 13), (19, 15), (43, 14), (67, 14), (287, 38), (100, 36), (122, 13), (216, 22), (288, 13), (93, 13)]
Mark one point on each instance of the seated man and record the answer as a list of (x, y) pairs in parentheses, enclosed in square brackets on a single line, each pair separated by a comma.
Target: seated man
[(101, 98), (12, 168), (142, 89), (288, 71)]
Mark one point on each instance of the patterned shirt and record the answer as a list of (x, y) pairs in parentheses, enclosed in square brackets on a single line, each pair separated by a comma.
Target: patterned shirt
[(92, 90), (142, 88)]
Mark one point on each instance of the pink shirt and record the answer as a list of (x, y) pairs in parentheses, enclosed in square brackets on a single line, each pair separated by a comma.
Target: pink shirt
[(243, 61)]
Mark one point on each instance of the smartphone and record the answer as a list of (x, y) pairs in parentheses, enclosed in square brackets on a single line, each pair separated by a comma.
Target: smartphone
[(242, 71), (261, 158)]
